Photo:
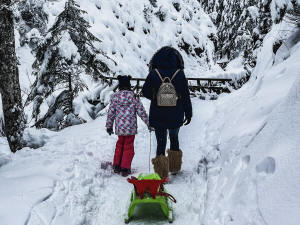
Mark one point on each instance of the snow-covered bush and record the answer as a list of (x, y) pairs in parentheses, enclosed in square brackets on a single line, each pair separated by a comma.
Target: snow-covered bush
[(31, 22), (35, 138)]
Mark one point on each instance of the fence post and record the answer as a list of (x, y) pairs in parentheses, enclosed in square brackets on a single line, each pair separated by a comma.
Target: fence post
[(199, 84), (137, 86)]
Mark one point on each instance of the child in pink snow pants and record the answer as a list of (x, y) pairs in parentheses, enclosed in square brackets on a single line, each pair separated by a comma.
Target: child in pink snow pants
[(124, 107)]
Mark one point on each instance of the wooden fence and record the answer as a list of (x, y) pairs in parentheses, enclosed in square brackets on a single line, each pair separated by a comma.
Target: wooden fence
[(206, 85)]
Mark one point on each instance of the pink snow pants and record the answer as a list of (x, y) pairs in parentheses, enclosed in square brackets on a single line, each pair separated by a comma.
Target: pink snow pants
[(124, 151)]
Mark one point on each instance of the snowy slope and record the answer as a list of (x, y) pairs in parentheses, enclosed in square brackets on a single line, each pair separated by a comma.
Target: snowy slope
[(256, 133), (132, 31)]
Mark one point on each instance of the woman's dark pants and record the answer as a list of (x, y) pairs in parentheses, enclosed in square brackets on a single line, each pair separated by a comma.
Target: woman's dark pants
[(161, 137)]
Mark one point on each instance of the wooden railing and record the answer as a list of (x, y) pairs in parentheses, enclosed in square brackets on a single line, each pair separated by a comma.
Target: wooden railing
[(206, 85)]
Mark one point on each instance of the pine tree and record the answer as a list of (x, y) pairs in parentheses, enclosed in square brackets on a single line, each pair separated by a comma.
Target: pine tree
[(9, 80), (68, 52)]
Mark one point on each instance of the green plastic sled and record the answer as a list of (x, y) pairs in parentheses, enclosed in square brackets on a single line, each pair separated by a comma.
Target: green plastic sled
[(149, 189)]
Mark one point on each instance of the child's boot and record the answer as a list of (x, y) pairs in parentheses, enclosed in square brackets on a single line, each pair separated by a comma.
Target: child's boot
[(125, 172), (117, 169), (175, 161), (161, 165)]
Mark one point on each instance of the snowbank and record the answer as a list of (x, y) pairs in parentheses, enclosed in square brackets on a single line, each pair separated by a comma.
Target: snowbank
[(256, 134), (234, 74)]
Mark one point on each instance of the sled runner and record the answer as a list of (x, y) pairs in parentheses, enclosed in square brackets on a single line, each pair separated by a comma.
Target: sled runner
[(149, 189)]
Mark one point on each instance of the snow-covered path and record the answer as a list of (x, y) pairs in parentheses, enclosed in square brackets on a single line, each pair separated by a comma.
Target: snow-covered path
[(62, 182)]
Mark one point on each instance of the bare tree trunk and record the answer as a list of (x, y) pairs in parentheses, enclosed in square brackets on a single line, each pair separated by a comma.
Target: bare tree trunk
[(70, 92), (9, 80)]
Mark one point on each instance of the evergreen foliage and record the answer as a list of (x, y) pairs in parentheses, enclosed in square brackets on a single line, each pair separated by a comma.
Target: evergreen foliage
[(33, 14), (67, 53), (241, 26), (31, 22), (294, 15)]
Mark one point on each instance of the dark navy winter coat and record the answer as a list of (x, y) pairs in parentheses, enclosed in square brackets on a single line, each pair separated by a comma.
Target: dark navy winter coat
[(167, 60)]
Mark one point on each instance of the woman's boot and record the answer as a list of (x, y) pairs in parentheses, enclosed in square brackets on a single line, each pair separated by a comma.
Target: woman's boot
[(175, 161), (161, 165)]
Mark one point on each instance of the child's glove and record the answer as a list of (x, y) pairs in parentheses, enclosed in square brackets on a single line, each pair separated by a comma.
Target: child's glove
[(109, 131), (151, 129)]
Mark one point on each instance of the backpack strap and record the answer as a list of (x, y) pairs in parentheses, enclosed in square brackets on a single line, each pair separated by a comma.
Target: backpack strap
[(166, 78), (158, 73), (174, 75)]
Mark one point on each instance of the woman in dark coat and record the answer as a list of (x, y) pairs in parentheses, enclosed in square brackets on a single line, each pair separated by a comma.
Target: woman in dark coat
[(167, 61)]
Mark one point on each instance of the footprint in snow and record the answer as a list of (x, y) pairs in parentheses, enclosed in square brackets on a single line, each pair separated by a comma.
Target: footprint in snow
[(47, 162), (90, 154), (268, 166), (242, 165), (246, 159), (86, 182)]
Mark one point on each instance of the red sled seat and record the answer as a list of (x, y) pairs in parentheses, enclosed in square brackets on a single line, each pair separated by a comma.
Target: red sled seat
[(152, 187)]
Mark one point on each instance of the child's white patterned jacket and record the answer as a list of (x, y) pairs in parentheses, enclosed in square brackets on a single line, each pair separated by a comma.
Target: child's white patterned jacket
[(124, 107)]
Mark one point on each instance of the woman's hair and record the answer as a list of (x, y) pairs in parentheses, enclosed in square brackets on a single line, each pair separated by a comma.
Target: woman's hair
[(156, 62)]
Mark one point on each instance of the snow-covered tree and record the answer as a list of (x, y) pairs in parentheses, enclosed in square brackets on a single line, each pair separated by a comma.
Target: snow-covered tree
[(31, 21), (68, 53), (9, 80), (242, 25)]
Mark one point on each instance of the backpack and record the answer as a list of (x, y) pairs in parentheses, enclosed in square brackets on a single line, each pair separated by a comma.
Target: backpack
[(166, 94)]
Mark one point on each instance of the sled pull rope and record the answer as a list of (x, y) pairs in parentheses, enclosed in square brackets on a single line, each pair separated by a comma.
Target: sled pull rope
[(150, 151)]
